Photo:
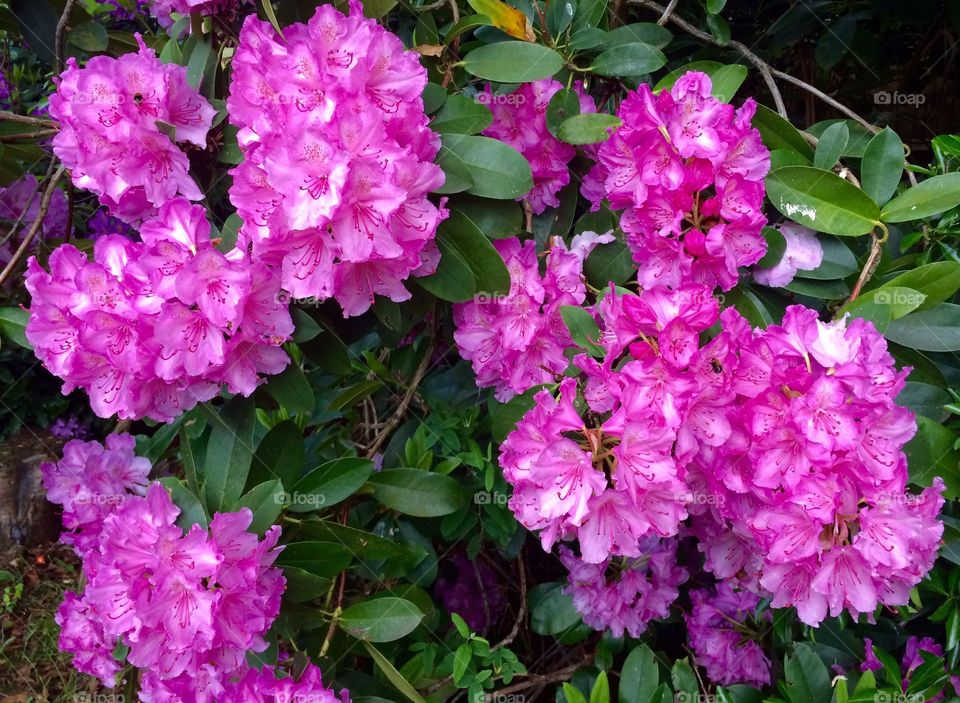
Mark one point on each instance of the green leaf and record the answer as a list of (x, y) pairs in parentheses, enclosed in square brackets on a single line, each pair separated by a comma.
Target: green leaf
[(320, 558), (634, 59), (715, 7), (191, 509), (329, 484), (512, 62), (639, 676), (929, 197), (777, 133), (609, 263), (292, 390), (589, 13), (601, 689), (588, 128), (727, 81), (838, 261), (587, 38), (684, 680), (937, 281), (560, 16), (551, 610), (882, 166), (229, 452), (573, 695), (504, 416), (495, 169), (806, 677), (931, 453), (583, 329), (364, 545), (645, 32), (461, 660), (934, 329), (563, 105), (418, 493), (434, 96), (461, 115), (822, 201), (900, 301), (265, 501), (89, 36), (825, 290), (13, 324), (719, 28), (469, 264), (776, 245), (279, 455), (394, 676), (381, 619), (201, 52), (497, 219), (467, 24), (924, 399), (748, 304), (831, 145)]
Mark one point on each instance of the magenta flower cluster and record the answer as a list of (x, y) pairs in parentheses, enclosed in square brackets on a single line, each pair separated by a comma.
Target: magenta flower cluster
[(517, 341), (338, 157), (723, 631), (687, 170), (807, 472), (625, 597), (111, 113), (187, 604), (150, 328), (519, 119)]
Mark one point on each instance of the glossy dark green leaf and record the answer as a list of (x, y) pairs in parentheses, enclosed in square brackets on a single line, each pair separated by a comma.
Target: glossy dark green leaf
[(777, 133), (882, 166), (639, 676), (831, 145), (381, 619), (562, 106), (583, 329), (935, 329), (838, 261), (329, 484), (497, 219), (495, 169), (325, 559), (89, 36), (265, 501), (632, 59), (279, 455), (588, 128), (776, 245), (513, 62), (822, 200), (229, 452), (291, 389), (937, 282), (13, 324), (191, 509), (647, 32), (931, 453), (461, 115), (807, 679), (418, 493), (929, 197), (551, 610)]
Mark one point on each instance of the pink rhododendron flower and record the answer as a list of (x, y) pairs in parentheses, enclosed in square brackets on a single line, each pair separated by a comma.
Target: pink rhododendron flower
[(188, 605), (148, 329), (720, 639), (642, 590), (264, 686), (688, 172), (338, 157), (109, 134), (803, 252), (89, 482), (520, 120), (517, 341)]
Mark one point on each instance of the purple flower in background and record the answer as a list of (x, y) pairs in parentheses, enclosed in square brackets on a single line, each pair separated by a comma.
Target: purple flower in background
[(473, 591), (102, 223), (71, 428), (803, 252)]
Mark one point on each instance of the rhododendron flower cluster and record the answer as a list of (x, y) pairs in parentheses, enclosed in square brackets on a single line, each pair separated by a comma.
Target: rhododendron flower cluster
[(625, 597), (110, 114), (688, 172), (721, 637), (520, 120), (89, 482), (802, 251), (611, 477), (338, 157), (810, 473), (148, 329), (517, 341)]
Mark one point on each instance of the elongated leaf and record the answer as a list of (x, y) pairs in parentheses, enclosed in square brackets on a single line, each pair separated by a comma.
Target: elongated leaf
[(639, 677), (279, 455), (381, 619), (937, 282), (936, 329), (467, 24), (632, 59), (807, 680), (461, 115), (822, 200), (583, 328), (831, 145), (494, 169), (329, 484), (931, 453), (265, 501), (513, 62), (191, 509), (496, 219), (13, 323), (929, 197), (292, 390), (321, 558), (418, 493), (394, 676), (882, 166), (777, 133), (229, 452), (588, 128), (647, 32)]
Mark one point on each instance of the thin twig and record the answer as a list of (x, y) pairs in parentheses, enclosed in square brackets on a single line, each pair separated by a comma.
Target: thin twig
[(7, 116), (665, 17), (512, 635), (758, 63), (27, 135), (532, 680), (59, 37), (391, 424), (37, 223), (840, 107), (873, 259)]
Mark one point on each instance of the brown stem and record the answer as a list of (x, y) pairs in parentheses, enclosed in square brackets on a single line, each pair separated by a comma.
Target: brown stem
[(59, 38), (7, 116), (27, 135), (876, 250), (532, 680), (391, 424)]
